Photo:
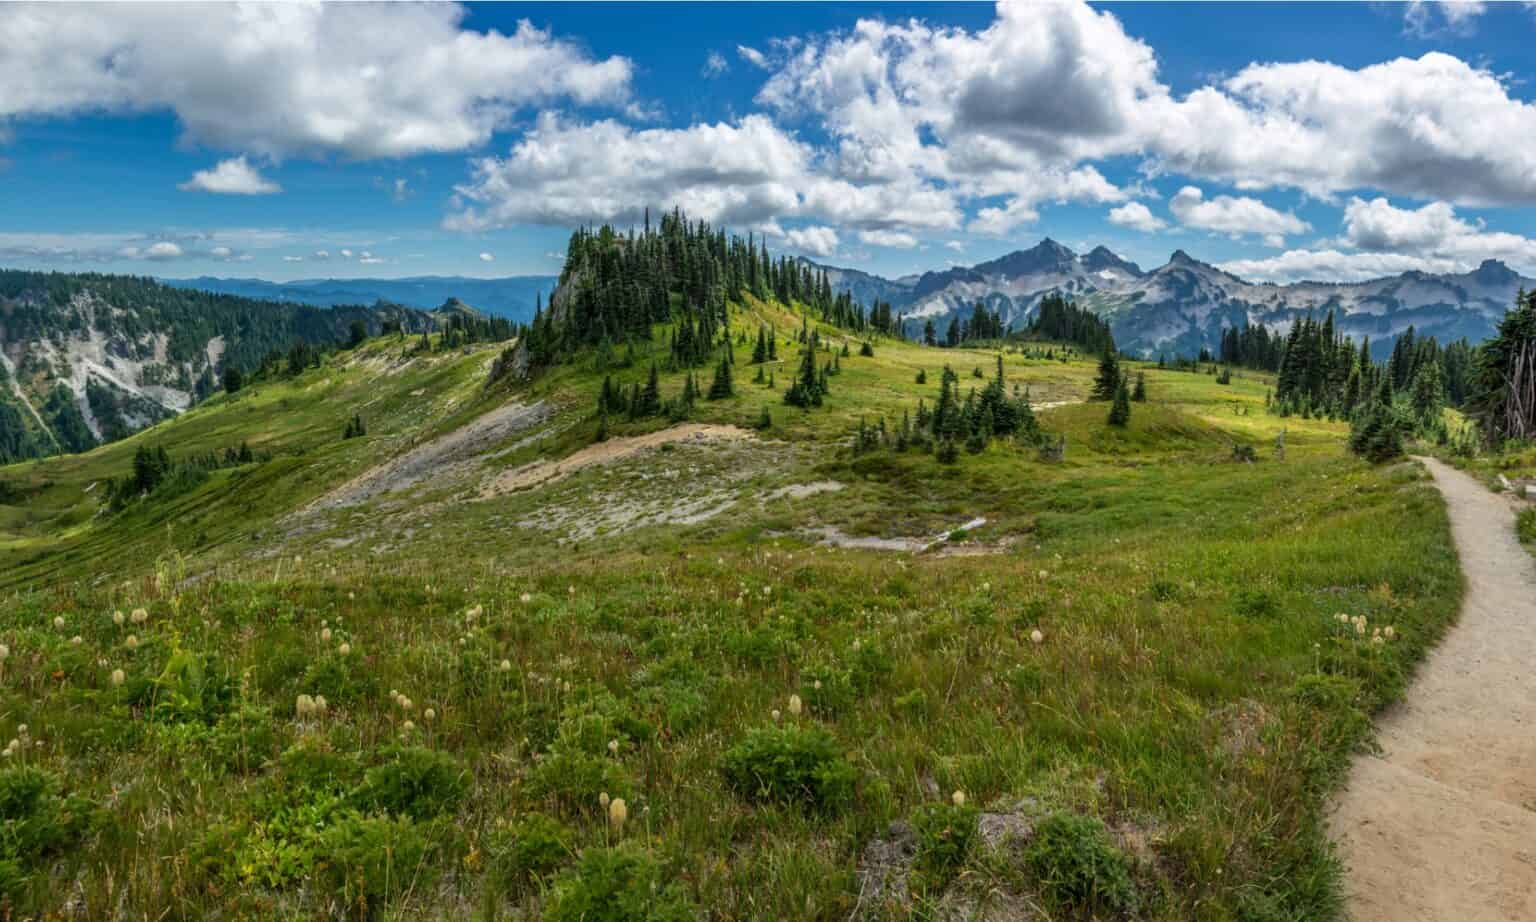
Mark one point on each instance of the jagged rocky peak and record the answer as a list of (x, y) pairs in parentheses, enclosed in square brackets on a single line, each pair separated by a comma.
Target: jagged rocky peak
[(1495, 272), (1102, 257), (1045, 256)]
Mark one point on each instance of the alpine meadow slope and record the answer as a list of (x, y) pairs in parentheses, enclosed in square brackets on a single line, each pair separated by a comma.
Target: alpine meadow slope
[(729, 601)]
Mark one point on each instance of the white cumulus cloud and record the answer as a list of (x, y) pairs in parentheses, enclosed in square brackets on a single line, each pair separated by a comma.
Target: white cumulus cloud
[(281, 79), (899, 240), (235, 176), (1234, 215), (1136, 216), (814, 241), (487, 257)]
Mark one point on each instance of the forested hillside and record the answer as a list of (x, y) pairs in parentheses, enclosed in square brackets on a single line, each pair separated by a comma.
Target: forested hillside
[(87, 358)]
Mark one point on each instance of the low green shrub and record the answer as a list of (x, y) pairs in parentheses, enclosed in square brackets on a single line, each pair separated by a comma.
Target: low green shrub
[(530, 849), (414, 781), (1078, 868), (370, 861), (790, 764), (621, 884), (945, 834)]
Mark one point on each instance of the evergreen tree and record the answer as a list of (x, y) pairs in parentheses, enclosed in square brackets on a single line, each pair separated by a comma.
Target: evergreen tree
[(721, 387), (233, 379), (1120, 411), (1108, 380), (1140, 393)]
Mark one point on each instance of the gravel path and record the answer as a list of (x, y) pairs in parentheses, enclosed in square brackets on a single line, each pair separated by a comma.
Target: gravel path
[(1442, 825)]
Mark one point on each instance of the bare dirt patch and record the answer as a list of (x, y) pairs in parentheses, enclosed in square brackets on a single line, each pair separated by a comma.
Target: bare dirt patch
[(447, 455), (541, 472)]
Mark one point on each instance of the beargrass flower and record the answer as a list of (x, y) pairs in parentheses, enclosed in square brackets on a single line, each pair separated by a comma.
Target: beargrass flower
[(603, 799), (132, 642), (957, 798), (76, 640), (794, 705), (407, 727), (1036, 637), (5, 652), (618, 812), (429, 715), (506, 665), (304, 706), (776, 715), (139, 616), (118, 677), (58, 622), (325, 634), (344, 649), (118, 618)]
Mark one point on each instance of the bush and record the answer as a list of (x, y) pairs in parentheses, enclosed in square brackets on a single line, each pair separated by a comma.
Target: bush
[(371, 860), (339, 678), (1078, 868), (1254, 603), (945, 834), (416, 782), (528, 850), (243, 741), (35, 819), (576, 779), (1525, 526), (621, 884), (790, 764)]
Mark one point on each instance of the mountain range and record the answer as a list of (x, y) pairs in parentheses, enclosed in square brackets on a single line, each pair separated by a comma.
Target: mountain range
[(1182, 306), (512, 297)]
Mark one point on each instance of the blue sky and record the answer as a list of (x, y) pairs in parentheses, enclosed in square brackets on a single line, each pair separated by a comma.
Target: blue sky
[(1282, 141)]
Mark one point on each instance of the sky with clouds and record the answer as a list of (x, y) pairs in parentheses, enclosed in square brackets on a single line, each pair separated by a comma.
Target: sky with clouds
[(1281, 141)]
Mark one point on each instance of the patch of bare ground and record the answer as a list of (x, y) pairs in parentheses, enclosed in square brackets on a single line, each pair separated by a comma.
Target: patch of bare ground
[(939, 545), (704, 474), (541, 472), (448, 455), (1442, 823)]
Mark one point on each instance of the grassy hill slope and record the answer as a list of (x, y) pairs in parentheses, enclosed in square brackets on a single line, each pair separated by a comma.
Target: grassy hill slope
[(786, 657)]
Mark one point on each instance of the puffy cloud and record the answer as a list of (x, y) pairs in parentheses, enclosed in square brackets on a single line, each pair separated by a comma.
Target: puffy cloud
[(885, 238), (231, 177), (1136, 216), (368, 259), (753, 56), (487, 257), (814, 240), (747, 174), (1431, 127), (1434, 231), (1421, 15), (1234, 215), (1382, 239), (364, 80), (715, 65), (1332, 265), (562, 173), (293, 259), (1049, 85)]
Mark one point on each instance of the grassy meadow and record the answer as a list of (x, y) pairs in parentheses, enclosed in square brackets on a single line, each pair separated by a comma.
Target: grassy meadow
[(683, 682)]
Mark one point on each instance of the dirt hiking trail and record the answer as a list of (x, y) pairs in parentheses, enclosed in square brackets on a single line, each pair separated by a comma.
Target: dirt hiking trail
[(1442, 825)]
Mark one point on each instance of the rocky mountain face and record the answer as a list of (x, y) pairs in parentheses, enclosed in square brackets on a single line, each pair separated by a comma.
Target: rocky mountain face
[(1183, 305), (86, 359)]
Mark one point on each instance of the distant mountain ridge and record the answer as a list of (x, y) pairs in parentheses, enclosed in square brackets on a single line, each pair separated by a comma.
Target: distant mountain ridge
[(512, 297), (1182, 306)]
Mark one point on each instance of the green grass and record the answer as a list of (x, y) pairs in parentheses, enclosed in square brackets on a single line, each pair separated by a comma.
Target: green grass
[(1193, 691)]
